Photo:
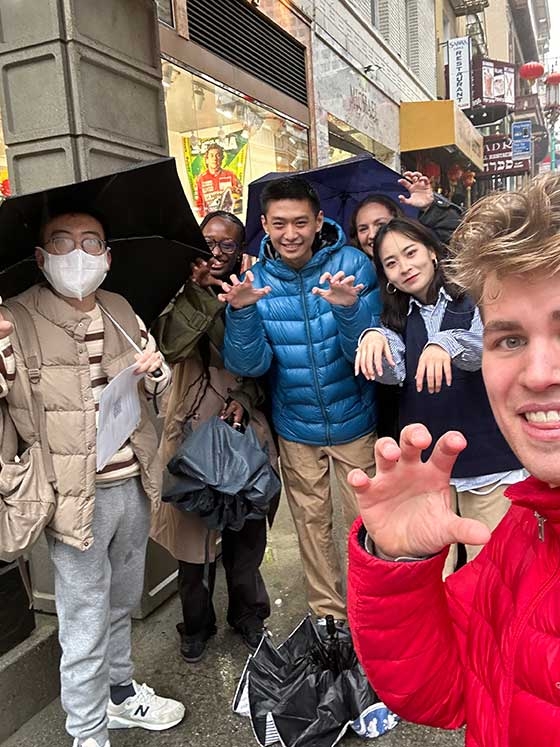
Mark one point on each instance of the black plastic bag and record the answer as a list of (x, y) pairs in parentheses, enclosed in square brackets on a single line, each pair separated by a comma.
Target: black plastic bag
[(221, 474)]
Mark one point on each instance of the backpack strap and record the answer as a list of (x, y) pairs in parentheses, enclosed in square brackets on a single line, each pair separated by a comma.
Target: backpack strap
[(24, 327)]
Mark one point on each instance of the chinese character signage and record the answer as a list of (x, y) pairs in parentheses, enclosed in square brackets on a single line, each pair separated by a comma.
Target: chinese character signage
[(493, 82), (498, 160), (459, 53), (216, 169)]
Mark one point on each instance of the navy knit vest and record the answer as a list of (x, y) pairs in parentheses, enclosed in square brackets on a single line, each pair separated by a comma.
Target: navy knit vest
[(463, 406)]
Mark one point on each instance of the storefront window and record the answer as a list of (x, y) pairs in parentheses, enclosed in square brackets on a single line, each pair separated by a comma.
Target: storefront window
[(165, 11), (345, 141), (223, 140), (4, 181)]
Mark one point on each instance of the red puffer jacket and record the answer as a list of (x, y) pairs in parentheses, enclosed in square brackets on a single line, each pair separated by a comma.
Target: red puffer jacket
[(483, 648)]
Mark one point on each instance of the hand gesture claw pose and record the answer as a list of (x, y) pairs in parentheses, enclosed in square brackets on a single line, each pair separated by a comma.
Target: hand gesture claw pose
[(434, 364), (341, 290), (373, 347), (405, 507), (201, 275), (240, 293), (421, 194)]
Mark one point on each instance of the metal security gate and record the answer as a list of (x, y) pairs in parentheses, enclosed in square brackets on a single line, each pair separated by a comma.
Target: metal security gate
[(239, 34)]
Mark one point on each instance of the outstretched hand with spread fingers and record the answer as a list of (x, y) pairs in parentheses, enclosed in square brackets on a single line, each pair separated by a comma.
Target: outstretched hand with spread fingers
[(421, 194), (341, 290), (240, 294), (405, 507)]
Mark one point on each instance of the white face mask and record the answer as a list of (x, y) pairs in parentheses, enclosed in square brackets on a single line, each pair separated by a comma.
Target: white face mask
[(76, 274)]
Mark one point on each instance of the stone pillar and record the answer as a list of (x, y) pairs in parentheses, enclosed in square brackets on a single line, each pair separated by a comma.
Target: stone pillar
[(80, 89)]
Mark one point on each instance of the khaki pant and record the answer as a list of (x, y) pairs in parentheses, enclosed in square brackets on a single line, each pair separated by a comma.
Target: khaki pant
[(489, 509), (306, 473)]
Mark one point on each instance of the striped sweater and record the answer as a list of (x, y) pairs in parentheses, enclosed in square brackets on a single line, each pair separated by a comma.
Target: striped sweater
[(124, 463)]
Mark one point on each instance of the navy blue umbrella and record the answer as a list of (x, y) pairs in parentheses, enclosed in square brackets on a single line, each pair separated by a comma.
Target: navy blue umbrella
[(340, 186)]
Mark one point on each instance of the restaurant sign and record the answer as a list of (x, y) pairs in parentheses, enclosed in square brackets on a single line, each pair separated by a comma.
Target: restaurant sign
[(498, 157), (459, 71)]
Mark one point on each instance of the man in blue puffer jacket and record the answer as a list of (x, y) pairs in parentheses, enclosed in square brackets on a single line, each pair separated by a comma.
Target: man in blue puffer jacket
[(280, 322)]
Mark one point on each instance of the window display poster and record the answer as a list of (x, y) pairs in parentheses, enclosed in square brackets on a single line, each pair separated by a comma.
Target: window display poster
[(5, 190), (216, 171)]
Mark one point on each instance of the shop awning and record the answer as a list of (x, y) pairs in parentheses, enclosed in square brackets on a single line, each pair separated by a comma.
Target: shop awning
[(440, 124)]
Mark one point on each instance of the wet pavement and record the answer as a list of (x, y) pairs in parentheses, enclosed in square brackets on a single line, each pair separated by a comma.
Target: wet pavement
[(207, 688)]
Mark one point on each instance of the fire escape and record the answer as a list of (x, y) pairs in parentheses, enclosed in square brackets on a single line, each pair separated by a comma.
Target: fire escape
[(475, 26)]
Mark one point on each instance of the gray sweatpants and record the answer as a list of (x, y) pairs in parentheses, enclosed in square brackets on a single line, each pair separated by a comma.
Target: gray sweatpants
[(95, 592)]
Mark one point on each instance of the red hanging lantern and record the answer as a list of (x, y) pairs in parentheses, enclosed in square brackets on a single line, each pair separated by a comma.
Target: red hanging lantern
[(469, 178), (552, 79), (432, 171), (531, 71), (454, 173), (5, 190)]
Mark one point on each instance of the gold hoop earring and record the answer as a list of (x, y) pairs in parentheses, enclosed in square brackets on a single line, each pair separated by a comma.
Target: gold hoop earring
[(391, 289)]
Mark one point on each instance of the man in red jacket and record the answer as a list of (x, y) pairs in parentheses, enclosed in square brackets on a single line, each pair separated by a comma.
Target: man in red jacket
[(213, 184), (483, 648)]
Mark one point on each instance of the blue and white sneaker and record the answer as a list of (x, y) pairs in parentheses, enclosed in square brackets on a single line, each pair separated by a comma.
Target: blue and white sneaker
[(146, 710)]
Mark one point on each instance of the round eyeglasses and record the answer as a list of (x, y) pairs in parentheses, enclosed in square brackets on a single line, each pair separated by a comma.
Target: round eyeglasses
[(227, 246), (65, 245)]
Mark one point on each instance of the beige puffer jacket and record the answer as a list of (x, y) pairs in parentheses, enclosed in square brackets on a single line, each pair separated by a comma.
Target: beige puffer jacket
[(69, 404)]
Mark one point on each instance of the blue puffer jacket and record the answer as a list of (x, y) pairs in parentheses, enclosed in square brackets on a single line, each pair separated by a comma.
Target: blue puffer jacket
[(306, 345)]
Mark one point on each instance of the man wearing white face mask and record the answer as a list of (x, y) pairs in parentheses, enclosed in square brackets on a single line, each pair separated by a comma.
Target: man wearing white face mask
[(97, 537)]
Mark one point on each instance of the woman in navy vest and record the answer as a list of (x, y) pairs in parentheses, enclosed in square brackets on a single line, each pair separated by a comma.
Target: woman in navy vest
[(430, 344)]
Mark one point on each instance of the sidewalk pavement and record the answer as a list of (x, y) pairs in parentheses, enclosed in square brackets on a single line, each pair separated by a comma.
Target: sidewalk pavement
[(207, 688)]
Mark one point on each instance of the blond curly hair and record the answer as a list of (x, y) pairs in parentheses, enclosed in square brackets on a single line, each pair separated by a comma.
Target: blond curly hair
[(508, 233)]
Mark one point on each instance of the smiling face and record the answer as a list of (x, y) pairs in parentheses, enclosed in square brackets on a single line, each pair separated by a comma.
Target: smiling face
[(408, 264), (222, 263), (369, 220), (292, 226), (521, 367)]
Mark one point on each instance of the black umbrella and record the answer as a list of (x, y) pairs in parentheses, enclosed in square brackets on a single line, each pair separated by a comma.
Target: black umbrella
[(340, 186), (221, 474), (150, 228), (309, 690)]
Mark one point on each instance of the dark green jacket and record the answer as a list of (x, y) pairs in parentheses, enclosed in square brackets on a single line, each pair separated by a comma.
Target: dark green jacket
[(192, 327)]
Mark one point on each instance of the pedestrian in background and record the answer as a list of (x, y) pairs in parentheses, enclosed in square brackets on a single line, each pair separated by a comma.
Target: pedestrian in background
[(190, 334)]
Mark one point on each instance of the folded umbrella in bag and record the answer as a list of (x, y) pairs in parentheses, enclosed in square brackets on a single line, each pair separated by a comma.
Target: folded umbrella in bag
[(309, 690), (221, 474)]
